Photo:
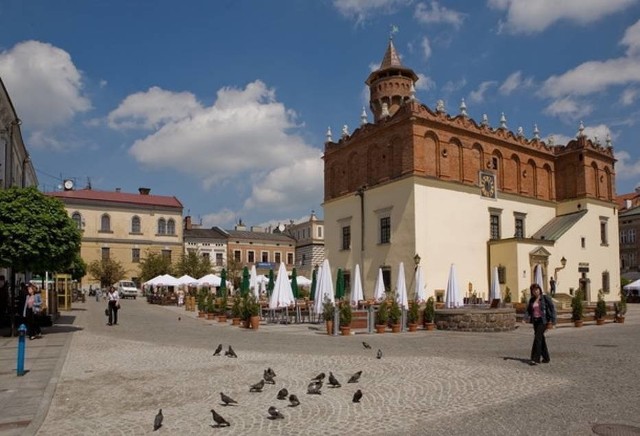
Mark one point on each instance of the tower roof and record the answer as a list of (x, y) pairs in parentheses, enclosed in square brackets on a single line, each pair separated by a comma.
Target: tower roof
[(391, 65), (391, 58)]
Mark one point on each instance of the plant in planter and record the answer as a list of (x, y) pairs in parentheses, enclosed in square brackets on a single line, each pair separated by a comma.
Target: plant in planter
[(429, 314), (382, 317), (222, 308), (211, 306), (412, 316), (507, 295), (345, 318), (394, 316), (601, 308), (328, 313), (621, 307), (202, 303), (251, 309), (577, 308), (236, 310)]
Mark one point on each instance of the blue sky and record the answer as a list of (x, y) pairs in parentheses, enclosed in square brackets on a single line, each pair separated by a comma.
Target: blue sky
[(225, 104)]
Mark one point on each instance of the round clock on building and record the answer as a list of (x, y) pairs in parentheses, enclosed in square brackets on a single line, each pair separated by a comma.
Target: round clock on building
[(68, 185), (488, 185)]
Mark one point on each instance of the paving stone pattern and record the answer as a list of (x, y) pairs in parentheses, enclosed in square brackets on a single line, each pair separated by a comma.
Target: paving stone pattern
[(116, 378)]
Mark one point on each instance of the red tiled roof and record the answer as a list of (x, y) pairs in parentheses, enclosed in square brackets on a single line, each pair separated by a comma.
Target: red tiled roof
[(633, 196), (118, 197)]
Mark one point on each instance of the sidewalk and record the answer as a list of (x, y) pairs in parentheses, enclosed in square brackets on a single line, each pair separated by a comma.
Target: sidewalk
[(25, 400)]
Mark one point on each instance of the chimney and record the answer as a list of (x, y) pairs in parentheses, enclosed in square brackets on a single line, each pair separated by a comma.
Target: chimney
[(627, 204), (187, 222), (240, 226), (144, 191)]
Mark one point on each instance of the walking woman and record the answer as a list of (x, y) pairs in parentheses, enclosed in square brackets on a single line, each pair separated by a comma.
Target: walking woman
[(540, 311), (32, 305), (114, 304)]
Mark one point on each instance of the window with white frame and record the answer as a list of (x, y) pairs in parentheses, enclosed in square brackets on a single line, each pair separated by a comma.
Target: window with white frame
[(171, 227), (162, 226), (105, 223), (604, 237), (77, 219), (135, 224)]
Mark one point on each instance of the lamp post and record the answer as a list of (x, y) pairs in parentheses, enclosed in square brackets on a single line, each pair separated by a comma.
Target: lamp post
[(416, 259), (563, 262)]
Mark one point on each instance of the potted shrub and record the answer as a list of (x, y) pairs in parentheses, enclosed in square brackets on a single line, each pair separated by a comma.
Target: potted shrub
[(202, 303), (507, 295), (251, 308), (382, 317), (211, 307), (621, 308), (412, 316), (429, 314), (328, 312), (222, 309), (394, 316), (345, 318), (236, 310), (601, 309), (577, 309)]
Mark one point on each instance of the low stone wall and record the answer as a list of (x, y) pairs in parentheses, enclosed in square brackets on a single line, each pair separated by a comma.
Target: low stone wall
[(476, 320)]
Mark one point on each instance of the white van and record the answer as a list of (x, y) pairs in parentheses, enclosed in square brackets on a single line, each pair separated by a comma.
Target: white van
[(127, 289)]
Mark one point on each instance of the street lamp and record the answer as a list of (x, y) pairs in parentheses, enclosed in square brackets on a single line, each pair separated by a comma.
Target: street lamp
[(416, 259), (563, 262)]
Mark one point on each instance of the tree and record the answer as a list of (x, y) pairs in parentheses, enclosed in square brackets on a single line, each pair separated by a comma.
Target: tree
[(78, 268), (234, 268), (155, 264), (107, 271), (193, 265), (36, 232)]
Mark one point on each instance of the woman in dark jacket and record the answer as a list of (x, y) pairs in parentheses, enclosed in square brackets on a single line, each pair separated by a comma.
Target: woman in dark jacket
[(540, 311)]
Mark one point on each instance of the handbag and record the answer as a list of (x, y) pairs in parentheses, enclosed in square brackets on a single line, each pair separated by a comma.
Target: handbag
[(106, 312)]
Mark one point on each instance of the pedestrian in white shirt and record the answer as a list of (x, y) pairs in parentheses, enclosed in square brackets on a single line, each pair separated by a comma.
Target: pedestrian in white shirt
[(114, 305)]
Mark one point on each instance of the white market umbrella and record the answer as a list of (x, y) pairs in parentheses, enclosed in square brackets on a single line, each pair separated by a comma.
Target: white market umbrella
[(209, 280), (317, 301), (253, 281), (421, 291), (154, 281), (401, 288), (378, 289), (538, 277), (167, 280), (453, 297), (324, 288), (494, 292), (186, 279), (356, 291), (282, 295), (303, 281)]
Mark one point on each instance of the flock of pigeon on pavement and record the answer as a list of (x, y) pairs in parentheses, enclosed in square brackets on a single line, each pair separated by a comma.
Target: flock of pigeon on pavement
[(268, 377)]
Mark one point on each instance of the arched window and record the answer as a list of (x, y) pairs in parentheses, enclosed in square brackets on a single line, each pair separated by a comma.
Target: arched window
[(135, 224), (171, 227), (105, 223), (162, 226), (77, 218)]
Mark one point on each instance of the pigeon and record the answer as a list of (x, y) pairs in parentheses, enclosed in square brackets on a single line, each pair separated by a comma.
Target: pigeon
[(294, 401), (314, 388), (333, 382), (365, 345), (227, 399), (268, 378), (357, 396), (230, 352), (218, 350), (319, 377), (379, 354), (274, 413), (257, 387), (219, 420), (355, 377), (179, 318), (157, 423), (282, 394), (271, 371)]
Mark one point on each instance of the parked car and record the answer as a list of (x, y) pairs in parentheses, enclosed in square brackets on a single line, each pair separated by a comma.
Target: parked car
[(126, 289)]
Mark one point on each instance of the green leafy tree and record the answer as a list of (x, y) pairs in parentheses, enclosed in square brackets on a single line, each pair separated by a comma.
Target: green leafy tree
[(78, 268), (234, 269), (37, 233), (193, 265), (107, 271), (155, 264)]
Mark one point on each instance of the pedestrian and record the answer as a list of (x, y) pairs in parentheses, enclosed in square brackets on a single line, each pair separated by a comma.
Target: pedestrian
[(114, 305), (540, 311), (32, 306), (552, 286), (98, 294)]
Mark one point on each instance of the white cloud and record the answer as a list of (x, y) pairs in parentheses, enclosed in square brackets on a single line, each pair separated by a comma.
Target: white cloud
[(363, 9), (224, 218), (152, 109), (568, 108), (453, 86), (477, 96), (44, 84), (426, 48), (600, 132), (527, 16), (438, 14), (242, 140), (631, 39), (629, 96), (557, 139), (625, 167), (424, 83), (513, 82)]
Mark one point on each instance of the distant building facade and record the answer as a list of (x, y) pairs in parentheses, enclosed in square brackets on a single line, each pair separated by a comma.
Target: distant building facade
[(125, 227), (629, 225), (309, 237), (418, 181), (208, 243)]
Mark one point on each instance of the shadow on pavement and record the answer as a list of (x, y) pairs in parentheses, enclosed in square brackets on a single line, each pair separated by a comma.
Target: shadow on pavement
[(519, 359)]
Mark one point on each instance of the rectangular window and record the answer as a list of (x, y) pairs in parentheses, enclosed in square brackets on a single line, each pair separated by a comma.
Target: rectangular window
[(251, 256), (605, 282), (265, 256), (495, 226), (623, 236), (319, 232), (205, 255), (346, 237), (631, 236), (166, 254), (219, 259), (385, 230), (135, 255), (277, 257), (519, 228), (237, 255), (583, 242), (290, 258), (604, 240), (105, 253)]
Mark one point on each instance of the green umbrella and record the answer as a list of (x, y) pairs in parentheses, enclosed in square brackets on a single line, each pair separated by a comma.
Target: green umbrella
[(271, 283), (294, 284), (244, 288), (222, 290), (340, 285), (312, 293)]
